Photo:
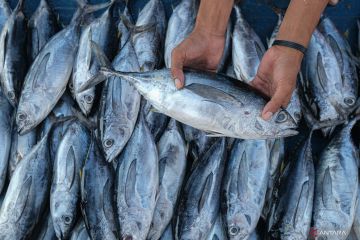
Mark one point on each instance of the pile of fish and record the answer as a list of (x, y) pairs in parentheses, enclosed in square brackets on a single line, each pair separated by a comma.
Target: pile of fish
[(97, 143)]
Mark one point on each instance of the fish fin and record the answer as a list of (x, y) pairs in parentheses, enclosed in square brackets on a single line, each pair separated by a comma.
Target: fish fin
[(243, 176), (218, 96), (152, 109), (100, 55), (327, 193), (4, 47), (93, 8), (321, 72), (137, 29), (301, 205), (70, 168), (107, 200), (19, 6), (130, 184), (89, 56), (162, 164), (39, 74), (260, 50), (22, 198), (115, 94), (214, 134), (205, 191), (337, 51)]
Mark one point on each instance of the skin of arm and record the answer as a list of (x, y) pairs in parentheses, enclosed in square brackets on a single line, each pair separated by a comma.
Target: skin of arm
[(278, 70)]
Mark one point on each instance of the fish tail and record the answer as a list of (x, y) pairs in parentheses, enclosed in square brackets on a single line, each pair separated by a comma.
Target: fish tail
[(56, 121), (19, 6)]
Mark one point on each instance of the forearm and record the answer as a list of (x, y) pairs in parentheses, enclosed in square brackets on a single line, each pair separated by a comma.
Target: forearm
[(300, 20), (213, 16)]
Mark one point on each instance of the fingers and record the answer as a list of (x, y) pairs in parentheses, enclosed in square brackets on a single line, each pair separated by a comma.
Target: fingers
[(259, 84), (177, 64), (333, 2), (280, 99)]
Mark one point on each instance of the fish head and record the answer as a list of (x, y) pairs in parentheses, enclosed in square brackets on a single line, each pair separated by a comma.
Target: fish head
[(114, 139), (239, 224), (86, 101), (63, 212), (26, 116), (282, 124)]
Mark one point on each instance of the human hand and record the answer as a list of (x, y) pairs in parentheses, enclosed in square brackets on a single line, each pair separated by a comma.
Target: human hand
[(276, 77), (334, 2), (200, 50)]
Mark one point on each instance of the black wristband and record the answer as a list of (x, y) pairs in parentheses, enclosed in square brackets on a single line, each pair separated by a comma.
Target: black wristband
[(289, 44)]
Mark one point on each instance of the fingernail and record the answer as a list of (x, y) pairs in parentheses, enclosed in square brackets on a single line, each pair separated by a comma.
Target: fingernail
[(267, 116), (177, 83)]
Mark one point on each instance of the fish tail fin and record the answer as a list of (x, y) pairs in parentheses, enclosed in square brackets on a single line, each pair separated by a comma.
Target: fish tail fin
[(19, 6), (278, 11), (100, 55), (136, 29), (55, 122), (86, 122)]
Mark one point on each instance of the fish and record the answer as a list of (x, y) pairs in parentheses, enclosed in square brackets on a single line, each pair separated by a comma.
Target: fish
[(123, 27), (155, 121), (199, 142), (291, 211), (149, 43), (200, 200), (168, 234), (320, 88), (244, 187), (45, 229), (97, 191), (218, 231), (340, 46), (5, 12), (227, 48), (247, 48), (79, 232), (6, 120), (28, 192), (137, 183), (12, 54), (48, 76), (336, 184), (276, 29), (41, 27), (101, 31), (276, 158), (65, 188), (172, 152), (219, 105), (181, 24), (20, 146), (120, 103)]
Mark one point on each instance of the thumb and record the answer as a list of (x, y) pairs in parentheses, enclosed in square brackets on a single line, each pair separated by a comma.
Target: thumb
[(278, 100), (177, 64)]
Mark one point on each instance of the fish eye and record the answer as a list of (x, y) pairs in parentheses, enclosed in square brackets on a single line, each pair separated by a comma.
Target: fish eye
[(108, 143), (21, 116), (281, 117), (71, 85), (297, 116), (89, 98), (66, 219), (349, 101), (11, 95), (234, 230)]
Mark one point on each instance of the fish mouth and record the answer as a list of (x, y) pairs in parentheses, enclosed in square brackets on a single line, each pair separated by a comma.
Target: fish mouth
[(58, 232), (22, 130), (288, 132)]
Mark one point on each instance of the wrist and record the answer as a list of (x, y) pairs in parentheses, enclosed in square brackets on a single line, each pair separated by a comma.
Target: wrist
[(293, 55)]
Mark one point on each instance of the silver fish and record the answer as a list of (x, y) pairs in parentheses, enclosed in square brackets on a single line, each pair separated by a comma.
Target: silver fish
[(27, 193), (168, 234), (80, 232), (20, 146), (180, 25), (277, 152), (5, 12), (321, 90), (41, 27), (47, 78), (349, 84), (149, 44), (12, 52), (6, 111), (123, 28), (247, 49), (244, 187), (101, 31), (46, 229), (120, 104), (200, 200), (97, 191), (218, 230), (155, 121), (356, 223), (227, 48), (219, 105), (65, 188), (290, 216), (137, 183), (172, 166), (336, 185)]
